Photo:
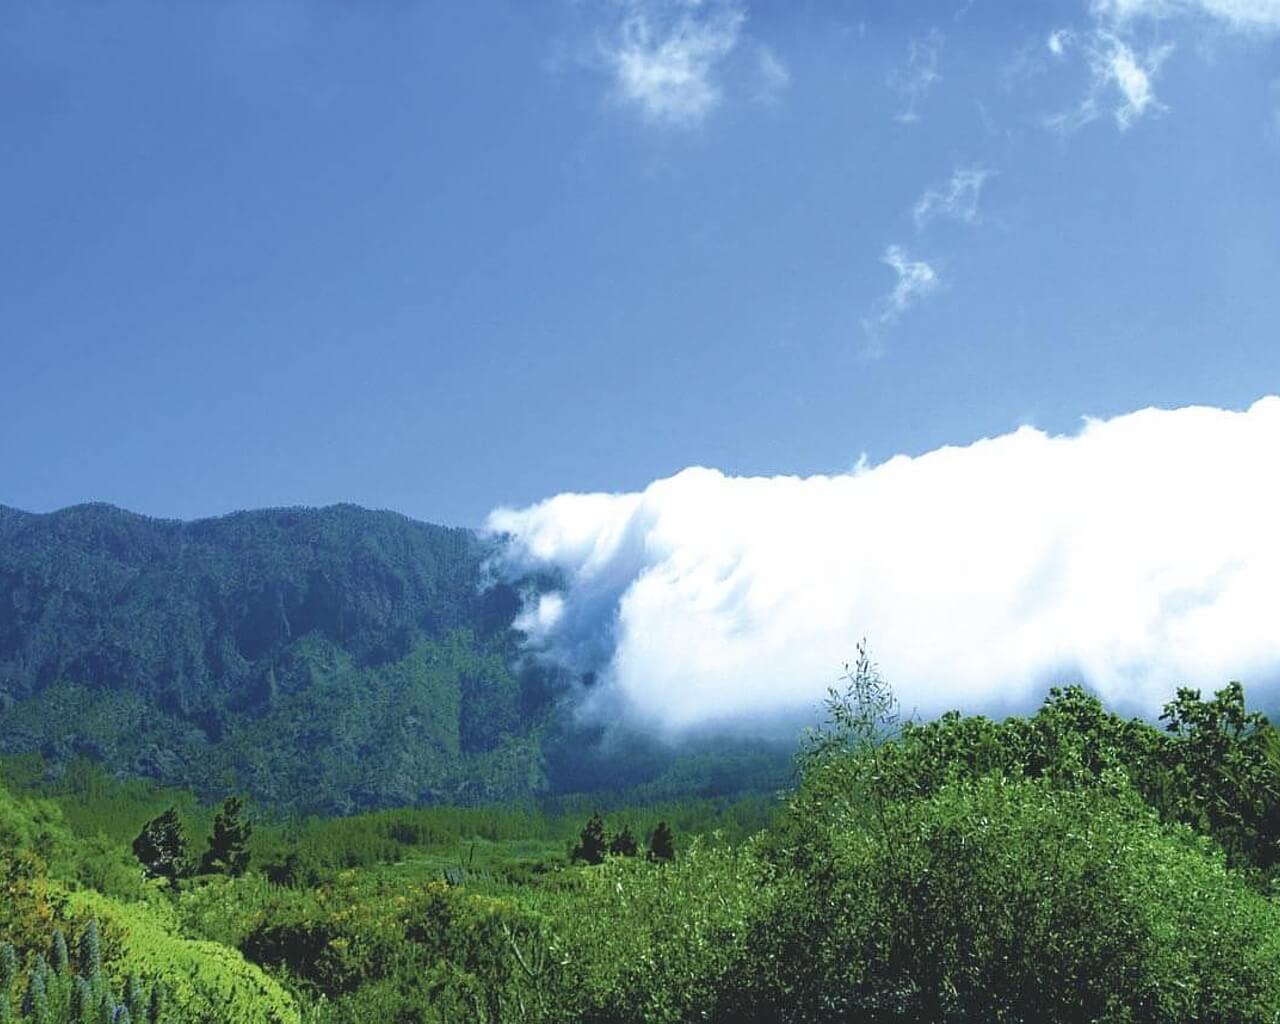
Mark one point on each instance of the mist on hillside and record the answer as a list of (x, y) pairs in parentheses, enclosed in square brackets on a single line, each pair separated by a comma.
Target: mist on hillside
[(1136, 555)]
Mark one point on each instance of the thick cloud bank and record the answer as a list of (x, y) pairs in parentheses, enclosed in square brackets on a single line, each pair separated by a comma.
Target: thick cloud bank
[(1137, 555)]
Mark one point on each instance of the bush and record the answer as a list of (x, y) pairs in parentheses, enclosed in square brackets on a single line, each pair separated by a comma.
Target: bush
[(1009, 900)]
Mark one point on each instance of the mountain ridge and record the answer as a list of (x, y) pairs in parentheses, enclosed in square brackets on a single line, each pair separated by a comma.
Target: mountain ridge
[(325, 660)]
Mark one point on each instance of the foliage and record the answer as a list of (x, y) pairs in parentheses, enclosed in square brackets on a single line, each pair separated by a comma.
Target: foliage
[(1062, 866), (228, 852), (662, 844), (161, 847), (592, 844), (318, 660), (623, 843)]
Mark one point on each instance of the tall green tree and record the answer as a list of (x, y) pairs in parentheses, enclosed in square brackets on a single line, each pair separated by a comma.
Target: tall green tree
[(662, 844), (228, 852), (61, 958), (623, 843), (591, 843), (35, 1002), (161, 846)]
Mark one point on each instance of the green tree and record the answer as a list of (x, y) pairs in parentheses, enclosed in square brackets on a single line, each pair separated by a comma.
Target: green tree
[(228, 852), (623, 843), (90, 953), (135, 997), (156, 1009), (8, 965), (662, 844), (591, 843), (81, 1001), (161, 847), (1225, 760), (35, 1002), (61, 958)]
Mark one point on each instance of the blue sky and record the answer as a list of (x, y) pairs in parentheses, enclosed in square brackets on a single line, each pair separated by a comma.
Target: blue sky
[(441, 257)]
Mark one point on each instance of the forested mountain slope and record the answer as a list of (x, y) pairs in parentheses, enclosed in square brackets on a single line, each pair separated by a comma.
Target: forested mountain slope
[(331, 658), (325, 660)]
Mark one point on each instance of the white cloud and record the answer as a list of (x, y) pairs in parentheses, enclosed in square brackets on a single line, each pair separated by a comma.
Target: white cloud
[(916, 280), (1121, 79), (1137, 555), (775, 76), (1059, 40), (1240, 15), (919, 76), (664, 56), (957, 198)]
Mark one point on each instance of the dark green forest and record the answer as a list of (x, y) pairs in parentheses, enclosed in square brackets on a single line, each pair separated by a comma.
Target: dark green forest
[(318, 660), (289, 766), (1070, 865)]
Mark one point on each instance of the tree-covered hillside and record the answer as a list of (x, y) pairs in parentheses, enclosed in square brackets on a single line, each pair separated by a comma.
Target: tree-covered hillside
[(332, 657), (323, 660), (1062, 867)]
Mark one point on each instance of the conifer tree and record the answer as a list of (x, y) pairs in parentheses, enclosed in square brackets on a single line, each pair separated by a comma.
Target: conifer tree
[(90, 953), (591, 843), (61, 959), (161, 846), (624, 843), (35, 1003), (662, 845), (81, 1001), (8, 972), (135, 998), (228, 852), (8, 966), (156, 1011)]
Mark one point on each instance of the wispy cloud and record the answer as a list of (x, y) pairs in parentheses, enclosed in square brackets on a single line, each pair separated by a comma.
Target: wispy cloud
[(916, 280), (918, 76), (1122, 74), (774, 74), (665, 53), (1059, 41), (1241, 15), (1121, 79), (956, 198)]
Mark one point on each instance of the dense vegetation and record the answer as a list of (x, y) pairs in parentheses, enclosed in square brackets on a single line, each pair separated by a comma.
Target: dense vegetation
[(1066, 866), (323, 660)]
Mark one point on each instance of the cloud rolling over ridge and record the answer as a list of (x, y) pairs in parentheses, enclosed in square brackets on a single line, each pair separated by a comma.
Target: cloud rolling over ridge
[(1139, 554)]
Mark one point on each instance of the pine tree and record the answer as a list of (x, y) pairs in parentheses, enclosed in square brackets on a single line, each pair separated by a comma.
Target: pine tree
[(624, 843), (161, 846), (81, 1001), (135, 998), (61, 959), (8, 973), (228, 852), (120, 1015), (591, 843), (155, 1012), (662, 844), (35, 1003), (8, 966), (90, 953)]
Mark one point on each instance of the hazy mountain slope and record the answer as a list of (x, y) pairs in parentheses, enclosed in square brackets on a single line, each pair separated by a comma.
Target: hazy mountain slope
[(328, 658)]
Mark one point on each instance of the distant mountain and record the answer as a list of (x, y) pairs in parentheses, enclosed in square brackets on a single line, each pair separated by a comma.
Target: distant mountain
[(324, 660), (331, 658)]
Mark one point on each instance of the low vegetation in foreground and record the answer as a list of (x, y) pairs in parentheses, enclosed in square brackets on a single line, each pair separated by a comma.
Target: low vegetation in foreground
[(1066, 866)]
